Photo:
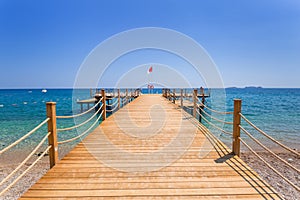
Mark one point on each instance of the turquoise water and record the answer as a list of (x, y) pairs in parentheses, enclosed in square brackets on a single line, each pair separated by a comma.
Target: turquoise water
[(276, 111)]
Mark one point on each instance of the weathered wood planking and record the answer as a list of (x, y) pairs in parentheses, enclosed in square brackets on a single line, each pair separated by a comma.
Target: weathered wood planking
[(205, 168)]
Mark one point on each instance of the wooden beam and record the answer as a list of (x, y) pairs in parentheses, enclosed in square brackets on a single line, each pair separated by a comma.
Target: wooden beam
[(52, 138), (236, 127)]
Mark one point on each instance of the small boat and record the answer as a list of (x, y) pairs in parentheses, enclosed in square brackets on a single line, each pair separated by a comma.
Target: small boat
[(44, 90)]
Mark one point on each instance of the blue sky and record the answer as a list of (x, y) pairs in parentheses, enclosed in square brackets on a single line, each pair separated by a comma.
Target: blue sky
[(43, 43)]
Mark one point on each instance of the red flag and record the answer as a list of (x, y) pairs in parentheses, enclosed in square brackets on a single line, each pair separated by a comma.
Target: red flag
[(149, 70)]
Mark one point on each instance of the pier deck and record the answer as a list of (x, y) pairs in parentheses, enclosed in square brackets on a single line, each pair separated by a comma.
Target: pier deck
[(151, 149)]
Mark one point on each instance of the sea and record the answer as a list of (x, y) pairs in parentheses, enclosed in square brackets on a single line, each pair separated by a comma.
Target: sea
[(275, 111)]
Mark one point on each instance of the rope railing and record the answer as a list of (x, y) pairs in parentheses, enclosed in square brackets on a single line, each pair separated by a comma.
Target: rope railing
[(215, 111), (25, 160), (25, 136), (220, 129), (25, 171), (125, 101), (52, 133), (237, 139), (268, 136), (82, 113), (82, 134), (112, 109), (199, 108), (267, 149), (212, 117), (113, 104), (102, 114), (267, 164), (81, 124)]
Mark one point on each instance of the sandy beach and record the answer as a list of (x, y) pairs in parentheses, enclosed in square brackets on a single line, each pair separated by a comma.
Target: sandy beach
[(268, 175)]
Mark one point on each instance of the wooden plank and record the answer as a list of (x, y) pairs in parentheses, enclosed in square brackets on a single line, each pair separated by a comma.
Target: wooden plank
[(203, 170), (189, 197), (142, 192), (138, 185)]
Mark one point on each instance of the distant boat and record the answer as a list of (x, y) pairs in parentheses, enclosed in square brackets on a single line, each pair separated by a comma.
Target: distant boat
[(44, 90)]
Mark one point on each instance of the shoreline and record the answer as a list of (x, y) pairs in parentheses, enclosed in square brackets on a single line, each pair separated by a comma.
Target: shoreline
[(286, 191)]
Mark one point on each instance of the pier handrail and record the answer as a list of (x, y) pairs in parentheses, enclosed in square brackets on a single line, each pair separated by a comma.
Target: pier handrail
[(267, 149), (103, 108), (25, 160), (212, 124), (85, 132), (199, 108), (25, 136), (237, 127), (268, 136), (52, 146), (271, 167), (113, 109), (25, 171), (215, 111), (113, 104), (80, 114), (214, 118), (81, 124)]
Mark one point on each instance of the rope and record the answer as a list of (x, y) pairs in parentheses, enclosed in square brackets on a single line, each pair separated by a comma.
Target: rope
[(83, 123), (263, 146), (113, 104), (25, 136), (226, 132), (112, 110), (75, 138), (272, 168), (125, 100), (215, 111), (265, 134), (80, 114), (214, 117), (25, 160), (17, 179)]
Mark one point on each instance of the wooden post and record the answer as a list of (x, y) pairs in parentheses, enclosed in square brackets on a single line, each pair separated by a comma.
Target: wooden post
[(126, 95), (195, 102), (52, 138), (91, 92), (174, 96), (81, 107), (201, 107), (236, 127), (167, 94), (181, 98), (104, 104), (119, 99)]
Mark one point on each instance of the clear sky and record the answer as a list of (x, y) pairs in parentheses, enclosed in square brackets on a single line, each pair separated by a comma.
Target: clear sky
[(252, 42)]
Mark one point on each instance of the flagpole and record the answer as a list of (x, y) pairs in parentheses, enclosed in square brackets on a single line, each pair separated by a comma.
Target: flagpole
[(148, 83)]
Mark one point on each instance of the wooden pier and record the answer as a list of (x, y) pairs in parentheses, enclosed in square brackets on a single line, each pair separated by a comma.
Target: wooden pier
[(95, 98), (200, 166)]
